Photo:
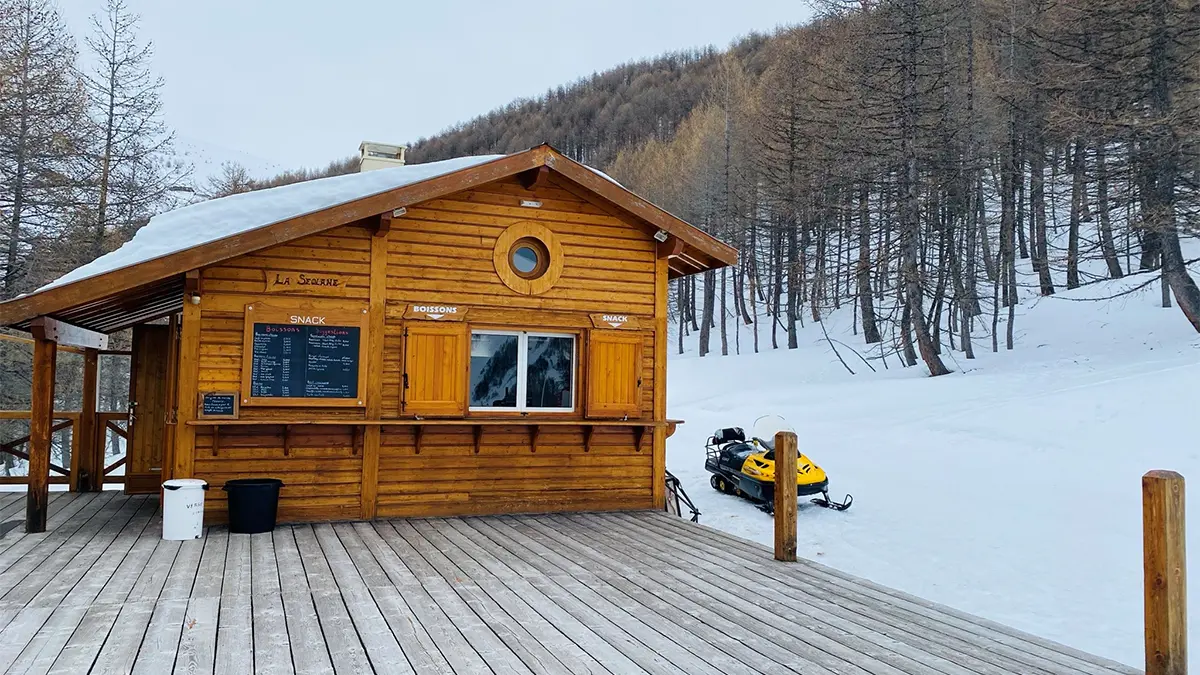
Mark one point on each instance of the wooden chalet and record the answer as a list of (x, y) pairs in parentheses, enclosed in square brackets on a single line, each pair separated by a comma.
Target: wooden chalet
[(477, 336)]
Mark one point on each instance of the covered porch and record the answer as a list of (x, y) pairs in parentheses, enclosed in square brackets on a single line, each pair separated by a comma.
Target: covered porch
[(639, 592)]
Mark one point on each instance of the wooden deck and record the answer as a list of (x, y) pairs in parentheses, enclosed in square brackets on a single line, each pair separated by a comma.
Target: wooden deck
[(100, 592)]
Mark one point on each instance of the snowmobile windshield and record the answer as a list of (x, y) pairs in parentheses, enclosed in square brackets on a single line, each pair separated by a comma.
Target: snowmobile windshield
[(767, 426)]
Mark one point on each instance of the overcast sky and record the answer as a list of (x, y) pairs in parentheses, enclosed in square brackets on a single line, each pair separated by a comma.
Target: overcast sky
[(301, 82)]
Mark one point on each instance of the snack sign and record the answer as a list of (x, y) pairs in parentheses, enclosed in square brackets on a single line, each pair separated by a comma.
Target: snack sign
[(615, 321)]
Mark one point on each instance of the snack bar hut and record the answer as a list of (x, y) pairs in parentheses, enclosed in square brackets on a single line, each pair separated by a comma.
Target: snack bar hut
[(472, 336)]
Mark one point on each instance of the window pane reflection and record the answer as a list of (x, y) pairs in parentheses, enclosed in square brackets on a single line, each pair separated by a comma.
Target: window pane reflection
[(548, 376), (493, 371)]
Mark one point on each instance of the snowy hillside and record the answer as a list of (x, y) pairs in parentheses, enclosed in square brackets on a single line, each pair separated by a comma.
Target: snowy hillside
[(1009, 488)]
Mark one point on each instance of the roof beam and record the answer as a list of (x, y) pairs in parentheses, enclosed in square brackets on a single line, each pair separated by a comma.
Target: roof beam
[(63, 333), (534, 178), (670, 248)]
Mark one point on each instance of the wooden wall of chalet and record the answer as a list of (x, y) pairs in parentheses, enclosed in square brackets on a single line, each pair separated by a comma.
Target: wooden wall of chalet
[(439, 252)]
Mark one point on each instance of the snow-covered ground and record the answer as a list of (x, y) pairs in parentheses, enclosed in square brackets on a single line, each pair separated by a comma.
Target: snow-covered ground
[(1010, 489)]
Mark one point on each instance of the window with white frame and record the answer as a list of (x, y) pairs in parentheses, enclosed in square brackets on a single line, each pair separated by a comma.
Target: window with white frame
[(522, 371)]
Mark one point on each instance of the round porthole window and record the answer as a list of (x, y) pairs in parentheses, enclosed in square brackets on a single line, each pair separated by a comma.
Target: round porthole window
[(529, 258)]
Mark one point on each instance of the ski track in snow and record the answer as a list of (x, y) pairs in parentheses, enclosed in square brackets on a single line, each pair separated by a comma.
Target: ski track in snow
[(1009, 489)]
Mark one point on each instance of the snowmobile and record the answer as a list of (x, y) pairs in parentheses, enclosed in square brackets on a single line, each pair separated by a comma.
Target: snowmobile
[(747, 468)]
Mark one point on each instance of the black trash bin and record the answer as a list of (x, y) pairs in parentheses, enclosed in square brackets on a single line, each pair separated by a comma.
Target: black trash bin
[(253, 503)]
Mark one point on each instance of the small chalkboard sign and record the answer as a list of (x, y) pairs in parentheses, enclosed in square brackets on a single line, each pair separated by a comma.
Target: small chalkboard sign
[(219, 405)]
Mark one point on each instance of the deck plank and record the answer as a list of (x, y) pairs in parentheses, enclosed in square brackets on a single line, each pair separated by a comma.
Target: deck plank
[(946, 657), (102, 551), (85, 643), (272, 648), (121, 647), (577, 593), (28, 550), (382, 648), (347, 651), (44, 644), (430, 642), (160, 644), (307, 643), (531, 626), (986, 639), (545, 579), (71, 515), (498, 657), (198, 637), (235, 632)]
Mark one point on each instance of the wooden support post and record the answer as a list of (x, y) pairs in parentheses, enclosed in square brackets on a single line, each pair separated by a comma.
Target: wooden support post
[(88, 465), (785, 496), (658, 462), (187, 381), (1163, 549), (40, 424), (377, 318)]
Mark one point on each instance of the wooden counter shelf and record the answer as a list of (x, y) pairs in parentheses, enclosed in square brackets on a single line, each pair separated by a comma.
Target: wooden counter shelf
[(641, 427)]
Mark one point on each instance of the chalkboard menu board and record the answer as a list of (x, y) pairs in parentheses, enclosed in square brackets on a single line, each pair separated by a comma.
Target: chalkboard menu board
[(219, 404), (313, 357)]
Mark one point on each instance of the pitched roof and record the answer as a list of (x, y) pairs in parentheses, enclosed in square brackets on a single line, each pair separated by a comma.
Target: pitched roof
[(143, 279)]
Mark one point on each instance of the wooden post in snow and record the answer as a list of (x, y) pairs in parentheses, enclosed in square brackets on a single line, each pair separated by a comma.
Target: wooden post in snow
[(785, 496), (1163, 538), (45, 353)]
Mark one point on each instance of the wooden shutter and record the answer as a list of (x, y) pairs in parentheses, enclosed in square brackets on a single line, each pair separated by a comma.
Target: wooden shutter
[(614, 374), (435, 368)]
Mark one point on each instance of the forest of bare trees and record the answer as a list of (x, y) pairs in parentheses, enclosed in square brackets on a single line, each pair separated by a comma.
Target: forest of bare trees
[(909, 157), (85, 160)]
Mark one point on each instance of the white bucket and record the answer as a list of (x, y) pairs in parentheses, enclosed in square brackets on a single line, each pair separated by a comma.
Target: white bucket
[(183, 508)]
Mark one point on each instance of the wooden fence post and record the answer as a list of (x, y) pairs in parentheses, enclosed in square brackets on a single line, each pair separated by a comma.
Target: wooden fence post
[(1163, 539), (41, 423), (785, 496)]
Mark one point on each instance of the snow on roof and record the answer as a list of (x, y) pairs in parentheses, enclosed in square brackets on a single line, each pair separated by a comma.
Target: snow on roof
[(215, 219)]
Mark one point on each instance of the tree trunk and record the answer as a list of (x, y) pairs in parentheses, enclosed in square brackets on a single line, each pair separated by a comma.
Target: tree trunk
[(866, 304), (1107, 247), (1037, 195), (706, 312), (1077, 206)]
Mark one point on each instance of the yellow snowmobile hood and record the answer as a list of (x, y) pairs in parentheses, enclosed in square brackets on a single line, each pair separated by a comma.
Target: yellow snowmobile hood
[(758, 467)]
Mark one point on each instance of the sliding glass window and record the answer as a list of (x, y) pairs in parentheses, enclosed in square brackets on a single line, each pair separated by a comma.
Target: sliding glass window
[(522, 372)]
